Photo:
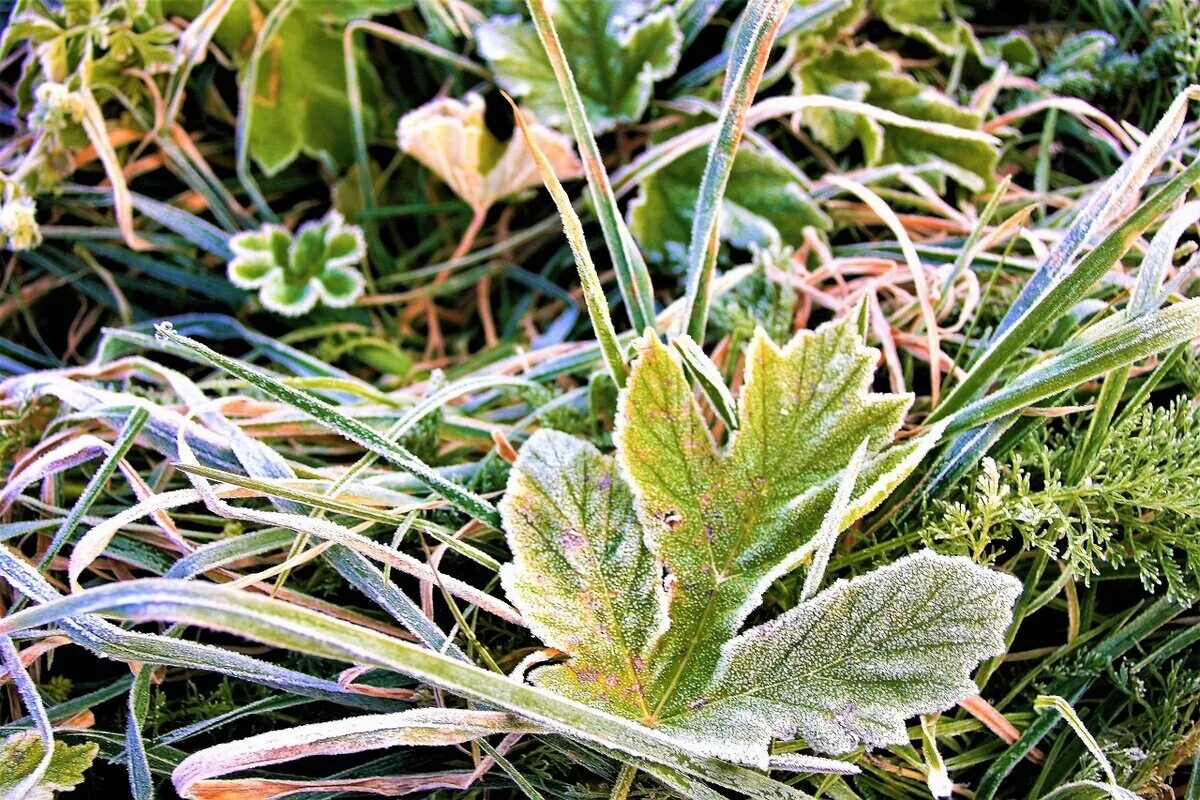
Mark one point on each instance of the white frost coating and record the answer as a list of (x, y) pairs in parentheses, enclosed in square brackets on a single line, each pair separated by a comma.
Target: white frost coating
[(852, 664), (418, 727), (845, 667), (800, 762), (581, 575), (639, 49)]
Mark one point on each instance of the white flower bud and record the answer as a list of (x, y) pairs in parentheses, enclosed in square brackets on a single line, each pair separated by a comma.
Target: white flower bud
[(18, 225)]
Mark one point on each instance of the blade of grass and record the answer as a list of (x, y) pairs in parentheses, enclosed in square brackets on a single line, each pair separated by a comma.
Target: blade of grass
[(758, 26), (415, 727), (1145, 297), (928, 315), (1062, 296), (97, 132), (327, 503), (247, 92), (702, 370), (1131, 342), (593, 292), (28, 693), (801, 17), (1073, 686), (633, 277), (133, 426), (1100, 209), (357, 432), (280, 624)]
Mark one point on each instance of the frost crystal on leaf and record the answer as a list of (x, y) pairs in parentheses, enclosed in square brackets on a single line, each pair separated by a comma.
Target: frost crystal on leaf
[(591, 545), (851, 664), (18, 224), (21, 753), (872, 76), (585, 580), (293, 272)]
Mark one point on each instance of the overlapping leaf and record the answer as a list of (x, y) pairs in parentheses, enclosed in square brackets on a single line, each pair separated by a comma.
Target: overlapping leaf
[(616, 52), (764, 205), (590, 545), (301, 104), (854, 662), (869, 75)]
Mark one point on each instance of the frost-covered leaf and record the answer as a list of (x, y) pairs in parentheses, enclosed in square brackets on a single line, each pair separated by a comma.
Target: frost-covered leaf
[(869, 75), (764, 205), (293, 272), (831, 29), (727, 524), (614, 48), (581, 572), (451, 138), (813, 452), (852, 664), (21, 753), (930, 21)]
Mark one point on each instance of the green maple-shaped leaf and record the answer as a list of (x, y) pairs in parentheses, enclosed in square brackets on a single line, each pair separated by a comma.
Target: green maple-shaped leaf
[(871, 76), (301, 105), (615, 49), (21, 753), (727, 524), (644, 574), (764, 205)]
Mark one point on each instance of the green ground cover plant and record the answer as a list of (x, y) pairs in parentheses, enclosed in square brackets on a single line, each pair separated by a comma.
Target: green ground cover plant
[(615, 399)]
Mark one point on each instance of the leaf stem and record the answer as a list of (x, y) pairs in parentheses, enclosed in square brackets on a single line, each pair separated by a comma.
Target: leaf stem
[(624, 782)]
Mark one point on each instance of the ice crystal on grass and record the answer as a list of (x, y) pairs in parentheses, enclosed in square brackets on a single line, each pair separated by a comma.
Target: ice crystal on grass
[(644, 575)]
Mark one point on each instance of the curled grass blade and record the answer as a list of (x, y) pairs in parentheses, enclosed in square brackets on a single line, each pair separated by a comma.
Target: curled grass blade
[(133, 425)]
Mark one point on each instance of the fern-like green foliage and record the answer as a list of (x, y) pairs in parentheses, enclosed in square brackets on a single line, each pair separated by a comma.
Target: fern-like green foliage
[(644, 567), (1156, 727), (1092, 64), (1176, 25), (1138, 507)]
